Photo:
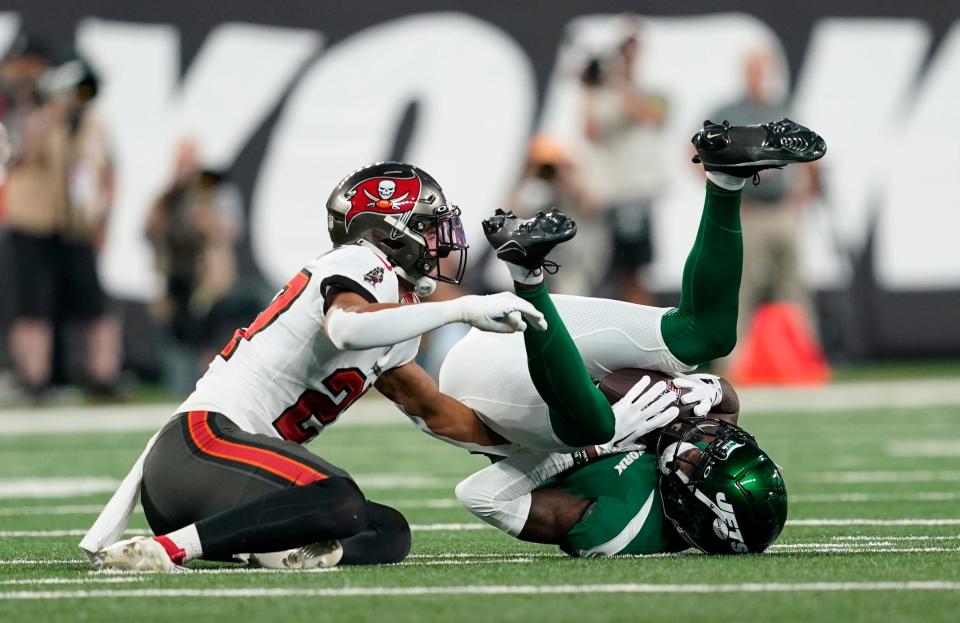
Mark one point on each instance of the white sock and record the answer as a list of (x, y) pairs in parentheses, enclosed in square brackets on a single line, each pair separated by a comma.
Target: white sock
[(525, 275), (726, 181), (188, 540)]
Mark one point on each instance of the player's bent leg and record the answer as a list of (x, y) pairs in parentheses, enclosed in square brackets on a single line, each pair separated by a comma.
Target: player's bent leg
[(384, 540), (703, 327), (212, 490), (326, 509), (579, 413)]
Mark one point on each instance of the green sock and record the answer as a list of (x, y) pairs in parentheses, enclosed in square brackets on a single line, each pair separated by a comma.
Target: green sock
[(579, 413), (704, 326)]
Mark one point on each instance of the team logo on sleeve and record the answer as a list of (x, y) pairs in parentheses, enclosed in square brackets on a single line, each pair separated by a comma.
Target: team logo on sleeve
[(383, 195), (375, 276)]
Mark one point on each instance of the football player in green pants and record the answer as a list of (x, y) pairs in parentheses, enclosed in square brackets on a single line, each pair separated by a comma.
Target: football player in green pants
[(612, 506)]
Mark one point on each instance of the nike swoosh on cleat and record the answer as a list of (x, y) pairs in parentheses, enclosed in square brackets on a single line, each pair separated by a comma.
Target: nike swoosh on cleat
[(511, 244), (713, 135)]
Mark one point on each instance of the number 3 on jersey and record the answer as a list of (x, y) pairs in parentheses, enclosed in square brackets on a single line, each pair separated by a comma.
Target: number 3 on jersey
[(345, 385), (281, 303)]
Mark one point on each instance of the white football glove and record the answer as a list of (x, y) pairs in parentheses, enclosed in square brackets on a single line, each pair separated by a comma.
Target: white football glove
[(640, 411), (703, 389), (499, 313)]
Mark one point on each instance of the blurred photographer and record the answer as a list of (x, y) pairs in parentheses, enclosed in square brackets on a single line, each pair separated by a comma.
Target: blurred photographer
[(58, 191), (623, 168), (194, 226)]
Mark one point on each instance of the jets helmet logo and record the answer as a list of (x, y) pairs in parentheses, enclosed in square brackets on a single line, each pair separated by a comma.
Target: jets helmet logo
[(383, 195)]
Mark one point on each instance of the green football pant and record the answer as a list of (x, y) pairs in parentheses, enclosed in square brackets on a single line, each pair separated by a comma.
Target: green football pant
[(701, 328)]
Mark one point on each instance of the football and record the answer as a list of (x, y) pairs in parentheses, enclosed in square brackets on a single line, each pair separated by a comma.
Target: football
[(616, 384)]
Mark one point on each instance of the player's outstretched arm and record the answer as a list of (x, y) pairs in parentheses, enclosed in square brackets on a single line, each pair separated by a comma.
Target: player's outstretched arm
[(417, 395), (352, 323)]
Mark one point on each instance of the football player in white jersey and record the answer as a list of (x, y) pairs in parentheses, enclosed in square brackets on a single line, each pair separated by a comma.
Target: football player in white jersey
[(228, 475), (537, 391)]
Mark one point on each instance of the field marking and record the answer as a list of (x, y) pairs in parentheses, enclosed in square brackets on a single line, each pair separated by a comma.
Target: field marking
[(881, 476), (928, 496), (128, 579), (75, 509), (912, 537), (947, 448), (94, 509), (66, 487), (873, 522), (458, 527), (450, 561), (224, 571), (416, 591), (453, 527), (856, 396), (444, 503), (55, 487), (53, 561)]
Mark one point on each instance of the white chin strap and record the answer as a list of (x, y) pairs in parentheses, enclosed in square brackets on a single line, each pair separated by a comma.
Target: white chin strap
[(422, 286)]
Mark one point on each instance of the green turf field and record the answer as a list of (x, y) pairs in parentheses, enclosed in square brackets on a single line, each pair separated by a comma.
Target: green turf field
[(874, 535)]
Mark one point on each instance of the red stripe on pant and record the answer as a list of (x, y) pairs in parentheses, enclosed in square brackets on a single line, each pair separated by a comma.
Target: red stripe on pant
[(208, 442)]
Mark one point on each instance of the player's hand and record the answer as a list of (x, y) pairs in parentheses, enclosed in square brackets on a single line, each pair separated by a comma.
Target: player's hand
[(499, 313), (642, 410), (702, 389)]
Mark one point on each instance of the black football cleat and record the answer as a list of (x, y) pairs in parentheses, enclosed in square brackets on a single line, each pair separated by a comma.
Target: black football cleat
[(745, 150), (526, 242)]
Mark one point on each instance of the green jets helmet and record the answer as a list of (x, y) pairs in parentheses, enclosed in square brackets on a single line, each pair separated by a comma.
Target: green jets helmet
[(722, 493)]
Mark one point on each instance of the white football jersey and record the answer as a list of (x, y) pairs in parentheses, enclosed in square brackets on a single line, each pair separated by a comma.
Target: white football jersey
[(488, 371), (282, 376)]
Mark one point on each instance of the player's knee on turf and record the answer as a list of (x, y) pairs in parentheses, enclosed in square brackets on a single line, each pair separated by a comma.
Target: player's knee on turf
[(395, 532), (340, 503)]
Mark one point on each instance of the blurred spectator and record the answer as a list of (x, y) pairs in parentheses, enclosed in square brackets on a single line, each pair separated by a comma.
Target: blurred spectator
[(194, 227), (771, 212), (624, 170), (549, 180), (58, 192)]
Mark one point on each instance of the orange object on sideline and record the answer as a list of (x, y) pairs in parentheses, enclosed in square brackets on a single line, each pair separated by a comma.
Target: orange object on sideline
[(780, 349)]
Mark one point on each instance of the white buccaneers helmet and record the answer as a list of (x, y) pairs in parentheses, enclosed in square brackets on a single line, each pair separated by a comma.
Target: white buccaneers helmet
[(401, 210)]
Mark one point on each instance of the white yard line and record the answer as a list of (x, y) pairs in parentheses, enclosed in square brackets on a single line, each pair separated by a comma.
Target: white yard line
[(873, 522), (452, 527), (128, 579), (947, 448), (459, 527), (415, 591), (56, 487), (372, 410), (52, 561), (94, 509), (445, 503), (79, 486), (912, 537), (925, 496), (879, 476), (75, 509), (485, 561)]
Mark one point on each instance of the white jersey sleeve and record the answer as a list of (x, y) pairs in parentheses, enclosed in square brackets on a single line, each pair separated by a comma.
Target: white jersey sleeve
[(282, 376), (488, 372)]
